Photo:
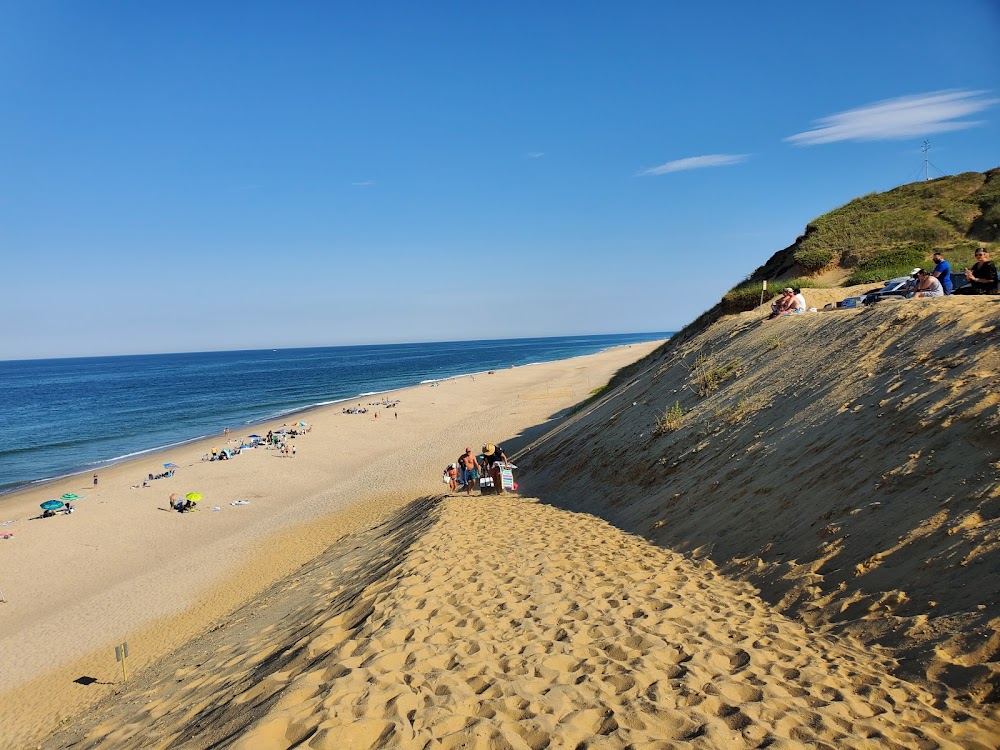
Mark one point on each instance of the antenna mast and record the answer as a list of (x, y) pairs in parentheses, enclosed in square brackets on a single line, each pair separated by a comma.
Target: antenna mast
[(925, 148)]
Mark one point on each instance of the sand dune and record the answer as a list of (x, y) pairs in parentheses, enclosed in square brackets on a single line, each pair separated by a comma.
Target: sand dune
[(504, 623), (845, 463)]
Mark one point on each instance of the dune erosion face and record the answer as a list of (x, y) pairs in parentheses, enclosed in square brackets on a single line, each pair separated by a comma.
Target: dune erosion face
[(507, 624), (846, 463)]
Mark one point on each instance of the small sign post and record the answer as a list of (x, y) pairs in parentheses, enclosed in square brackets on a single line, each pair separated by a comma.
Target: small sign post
[(121, 654), (762, 291)]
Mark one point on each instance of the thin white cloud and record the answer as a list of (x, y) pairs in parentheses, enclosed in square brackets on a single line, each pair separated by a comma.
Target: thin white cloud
[(903, 117), (366, 183), (535, 154), (695, 162)]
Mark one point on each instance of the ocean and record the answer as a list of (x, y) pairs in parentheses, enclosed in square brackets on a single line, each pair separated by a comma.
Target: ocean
[(62, 416)]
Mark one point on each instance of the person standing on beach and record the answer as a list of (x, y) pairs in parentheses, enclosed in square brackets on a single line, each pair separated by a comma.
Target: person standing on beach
[(95, 480), (470, 470)]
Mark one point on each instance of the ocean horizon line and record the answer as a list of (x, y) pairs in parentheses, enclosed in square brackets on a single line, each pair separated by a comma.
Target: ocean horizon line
[(655, 334)]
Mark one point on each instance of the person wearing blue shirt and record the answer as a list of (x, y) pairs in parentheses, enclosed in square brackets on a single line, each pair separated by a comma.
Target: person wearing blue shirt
[(942, 272)]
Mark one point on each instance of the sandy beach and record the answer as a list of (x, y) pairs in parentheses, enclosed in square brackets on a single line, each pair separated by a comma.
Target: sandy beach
[(123, 568), (699, 585)]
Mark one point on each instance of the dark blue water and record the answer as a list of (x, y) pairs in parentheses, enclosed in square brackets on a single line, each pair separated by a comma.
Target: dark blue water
[(60, 416)]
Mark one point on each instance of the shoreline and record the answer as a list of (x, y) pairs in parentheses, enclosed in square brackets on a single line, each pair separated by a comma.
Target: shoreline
[(295, 412), (121, 569)]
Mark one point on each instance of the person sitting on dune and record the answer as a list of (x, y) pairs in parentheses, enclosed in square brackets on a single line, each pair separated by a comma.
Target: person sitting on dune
[(928, 285), (798, 302), (783, 304), (982, 276)]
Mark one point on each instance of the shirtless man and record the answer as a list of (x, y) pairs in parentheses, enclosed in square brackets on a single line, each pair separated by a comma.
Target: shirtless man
[(470, 470)]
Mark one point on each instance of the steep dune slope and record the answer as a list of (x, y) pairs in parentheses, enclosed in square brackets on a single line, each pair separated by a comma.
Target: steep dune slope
[(846, 463)]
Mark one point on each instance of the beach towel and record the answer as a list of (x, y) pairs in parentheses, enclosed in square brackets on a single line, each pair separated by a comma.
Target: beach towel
[(506, 478)]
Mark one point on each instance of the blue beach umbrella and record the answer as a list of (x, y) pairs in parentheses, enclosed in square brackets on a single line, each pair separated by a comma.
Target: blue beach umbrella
[(169, 465), (253, 436), (51, 505), (71, 496)]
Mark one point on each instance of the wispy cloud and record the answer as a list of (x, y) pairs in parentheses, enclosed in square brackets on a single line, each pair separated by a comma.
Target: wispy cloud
[(365, 183), (535, 154), (903, 117), (694, 162)]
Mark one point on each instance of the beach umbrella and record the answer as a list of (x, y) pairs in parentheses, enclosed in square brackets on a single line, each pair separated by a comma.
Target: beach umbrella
[(193, 496), (169, 465), (71, 496), (254, 436), (301, 424), (51, 505)]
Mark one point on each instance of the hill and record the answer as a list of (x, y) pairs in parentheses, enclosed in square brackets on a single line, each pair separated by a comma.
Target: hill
[(845, 463), (882, 235)]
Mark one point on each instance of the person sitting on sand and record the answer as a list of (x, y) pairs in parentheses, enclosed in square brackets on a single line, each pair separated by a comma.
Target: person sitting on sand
[(982, 276), (782, 304), (175, 503), (942, 272), (798, 302), (928, 285)]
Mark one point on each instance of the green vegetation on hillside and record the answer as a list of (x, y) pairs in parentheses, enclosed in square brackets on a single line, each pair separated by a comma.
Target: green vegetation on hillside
[(883, 235)]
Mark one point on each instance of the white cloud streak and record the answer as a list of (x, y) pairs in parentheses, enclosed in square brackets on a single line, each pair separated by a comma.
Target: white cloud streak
[(694, 162), (902, 117), (535, 154), (366, 183)]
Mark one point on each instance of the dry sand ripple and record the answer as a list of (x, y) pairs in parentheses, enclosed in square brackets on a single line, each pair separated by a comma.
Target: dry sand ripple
[(506, 623)]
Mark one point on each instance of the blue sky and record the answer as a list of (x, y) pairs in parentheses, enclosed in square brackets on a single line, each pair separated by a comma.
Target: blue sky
[(197, 176)]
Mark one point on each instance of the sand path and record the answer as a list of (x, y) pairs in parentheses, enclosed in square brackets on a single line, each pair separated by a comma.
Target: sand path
[(506, 623)]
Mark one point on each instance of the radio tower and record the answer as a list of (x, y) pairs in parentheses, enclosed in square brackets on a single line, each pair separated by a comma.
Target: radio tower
[(925, 148)]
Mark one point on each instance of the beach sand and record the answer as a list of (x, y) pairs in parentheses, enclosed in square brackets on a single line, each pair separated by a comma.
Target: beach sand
[(123, 568), (505, 623)]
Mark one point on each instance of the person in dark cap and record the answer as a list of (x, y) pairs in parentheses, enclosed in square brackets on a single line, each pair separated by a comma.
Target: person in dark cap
[(494, 457)]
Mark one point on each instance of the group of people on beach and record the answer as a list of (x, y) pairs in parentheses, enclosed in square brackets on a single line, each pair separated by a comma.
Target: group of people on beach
[(485, 468)]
